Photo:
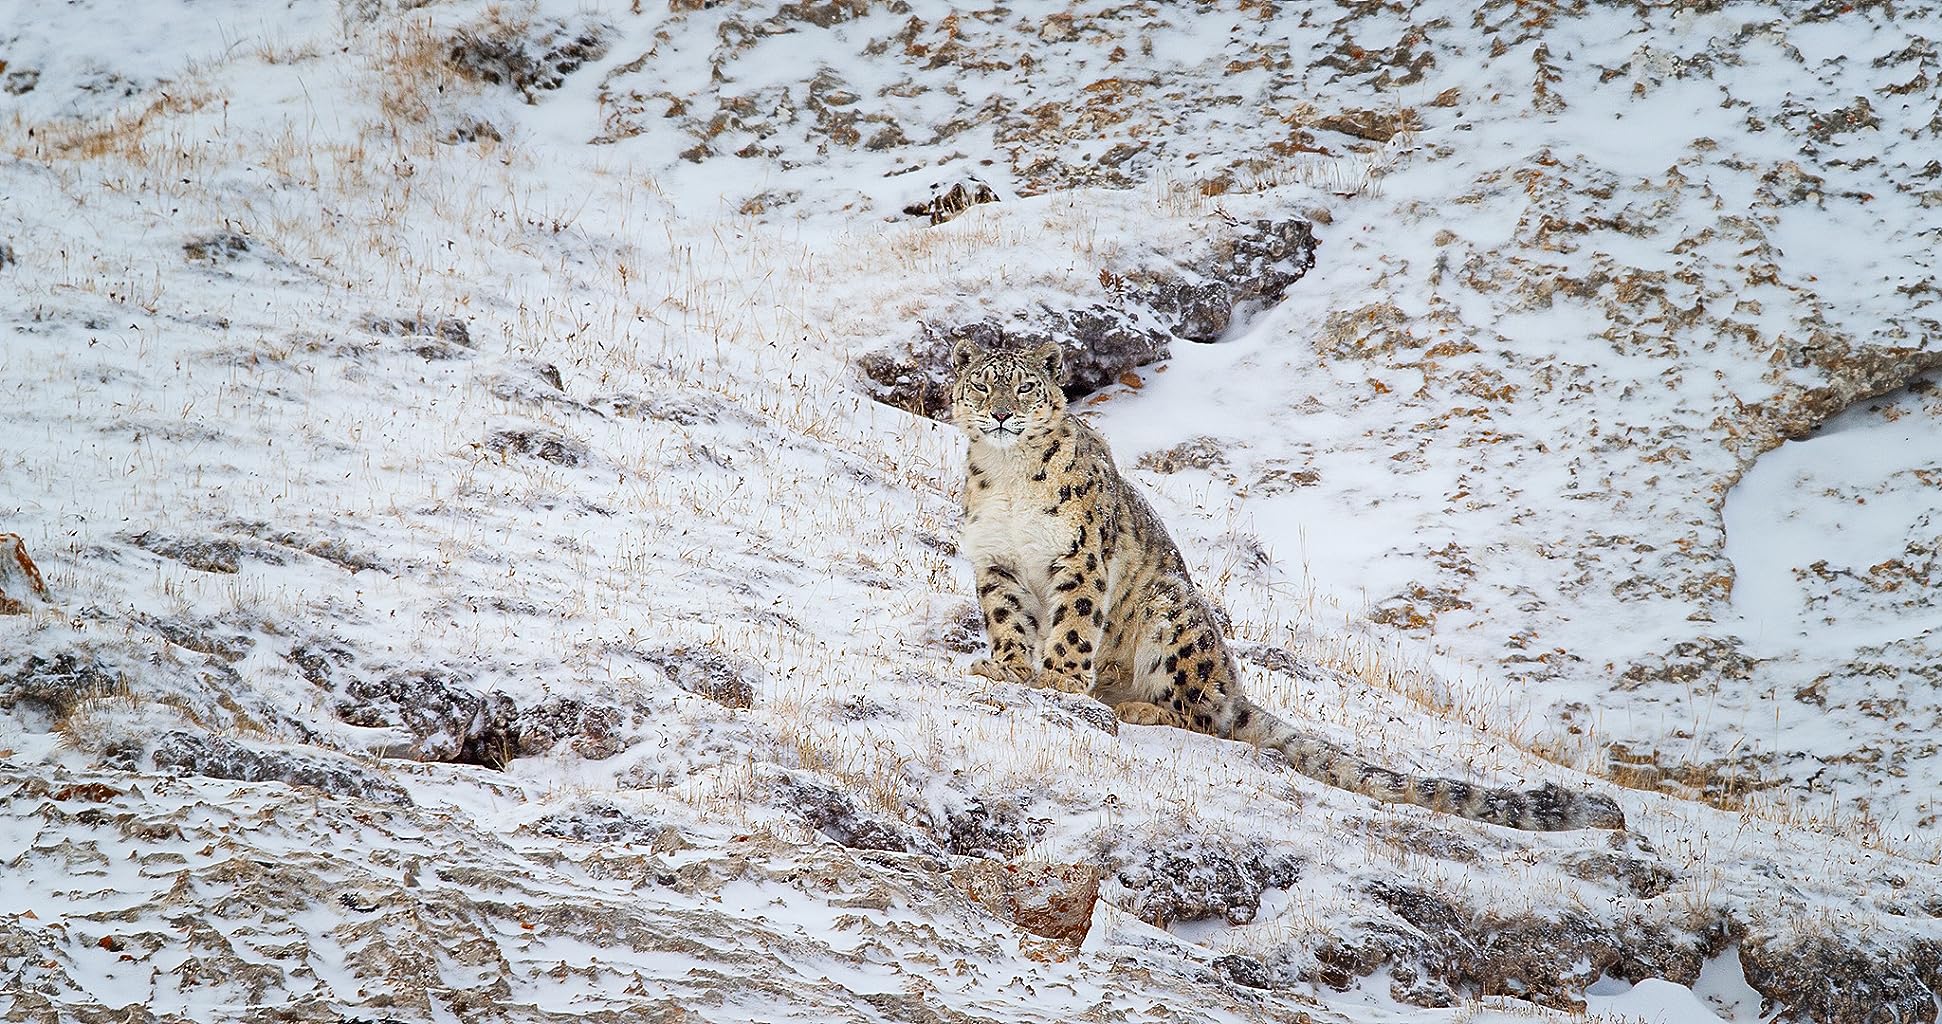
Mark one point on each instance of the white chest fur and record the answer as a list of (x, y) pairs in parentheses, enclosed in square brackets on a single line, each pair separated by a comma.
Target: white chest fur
[(1007, 523)]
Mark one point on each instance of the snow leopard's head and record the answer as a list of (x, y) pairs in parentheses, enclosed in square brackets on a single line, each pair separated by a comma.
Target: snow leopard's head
[(997, 396)]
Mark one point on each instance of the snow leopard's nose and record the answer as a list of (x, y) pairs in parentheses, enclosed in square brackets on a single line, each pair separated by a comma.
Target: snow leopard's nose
[(999, 417)]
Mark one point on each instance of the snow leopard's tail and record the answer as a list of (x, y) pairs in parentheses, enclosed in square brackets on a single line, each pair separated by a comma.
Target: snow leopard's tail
[(1547, 808)]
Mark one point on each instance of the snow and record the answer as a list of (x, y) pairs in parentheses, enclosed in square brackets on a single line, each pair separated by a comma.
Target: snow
[(1720, 996), (1852, 495), (1528, 443), (1652, 1002)]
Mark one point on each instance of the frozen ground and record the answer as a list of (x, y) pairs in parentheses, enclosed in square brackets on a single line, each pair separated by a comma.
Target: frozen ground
[(479, 589)]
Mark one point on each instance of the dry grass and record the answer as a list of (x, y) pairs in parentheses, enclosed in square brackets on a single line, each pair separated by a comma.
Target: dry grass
[(740, 291), (411, 78), (132, 134)]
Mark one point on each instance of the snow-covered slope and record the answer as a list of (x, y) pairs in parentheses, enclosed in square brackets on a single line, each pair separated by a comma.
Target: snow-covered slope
[(1599, 260), (478, 587)]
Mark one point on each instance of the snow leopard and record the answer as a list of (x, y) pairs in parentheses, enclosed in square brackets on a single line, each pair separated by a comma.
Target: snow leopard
[(1083, 591)]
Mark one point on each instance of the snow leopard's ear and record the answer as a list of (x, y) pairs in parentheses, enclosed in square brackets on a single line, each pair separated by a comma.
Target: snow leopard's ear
[(964, 353), (1050, 357)]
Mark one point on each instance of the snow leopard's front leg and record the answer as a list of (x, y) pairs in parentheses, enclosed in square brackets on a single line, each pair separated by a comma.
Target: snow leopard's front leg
[(1075, 617), (1011, 623)]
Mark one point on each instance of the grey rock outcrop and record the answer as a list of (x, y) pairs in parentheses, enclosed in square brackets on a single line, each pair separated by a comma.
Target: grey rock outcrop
[(1244, 266)]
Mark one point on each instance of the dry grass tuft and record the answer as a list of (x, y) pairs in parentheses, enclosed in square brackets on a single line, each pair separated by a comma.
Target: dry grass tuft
[(130, 134)]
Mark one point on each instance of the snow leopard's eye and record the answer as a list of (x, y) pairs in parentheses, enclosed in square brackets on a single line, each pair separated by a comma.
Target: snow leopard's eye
[(980, 388), (1025, 387)]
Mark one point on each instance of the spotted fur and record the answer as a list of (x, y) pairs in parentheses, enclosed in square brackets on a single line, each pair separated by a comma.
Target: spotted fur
[(1083, 591)]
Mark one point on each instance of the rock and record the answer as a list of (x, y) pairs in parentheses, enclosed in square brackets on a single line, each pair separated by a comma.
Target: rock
[(1243, 970), (1438, 947), (227, 636), (1258, 264), (472, 129), (221, 247), (21, 586), (429, 338), (996, 830), (317, 545), (950, 198), (597, 821), (318, 661), (837, 816), (220, 758), (529, 381), (19, 81), (530, 57), (1402, 953), (1279, 659), (709, 672), (1424, 840), (448, 720), (822, 13), (1417, 607), (447, 328), (47, 688), (1852, 373), (1071, 710), (544, 443), (1279, 479), (962, 633), (1199, 453), (592, 730), (1373, 125), (683, 407), (1195, 309), (204, 554), (1193, 878), (1636, 875), (1703, 664), (890, 135), (7, 255), (1052, 900), (1058, 29), (1081, 709), (1829, 978), (1250, 264), (1245, 265), (1100, 343)]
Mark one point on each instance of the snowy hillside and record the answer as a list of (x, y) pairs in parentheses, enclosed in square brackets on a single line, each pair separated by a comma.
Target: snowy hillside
[(457, 567)]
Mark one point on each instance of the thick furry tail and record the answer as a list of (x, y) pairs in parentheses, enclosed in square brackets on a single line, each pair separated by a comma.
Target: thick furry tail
[(1548, 808)]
